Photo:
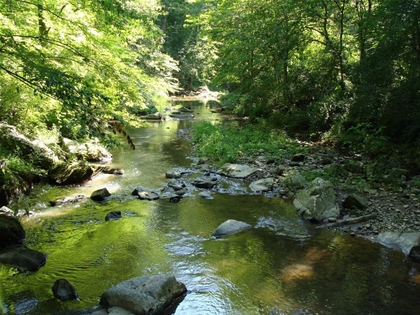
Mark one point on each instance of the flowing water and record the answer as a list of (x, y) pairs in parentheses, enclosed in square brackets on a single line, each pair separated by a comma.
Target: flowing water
[(281, 266)]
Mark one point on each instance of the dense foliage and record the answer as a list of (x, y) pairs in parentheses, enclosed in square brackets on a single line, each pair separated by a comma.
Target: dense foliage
[(70, 66), (337, 67), (345, 70)]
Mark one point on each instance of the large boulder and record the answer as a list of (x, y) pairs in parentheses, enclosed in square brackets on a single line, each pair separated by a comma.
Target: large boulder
[(11, 231), (71, 172), (148, 295), (317, 202), (23, 258), (14, 184), (230, 227), (91, 151), (32, 150)]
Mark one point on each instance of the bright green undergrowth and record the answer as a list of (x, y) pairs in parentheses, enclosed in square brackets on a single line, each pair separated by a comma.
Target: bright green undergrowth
[(226, 143)]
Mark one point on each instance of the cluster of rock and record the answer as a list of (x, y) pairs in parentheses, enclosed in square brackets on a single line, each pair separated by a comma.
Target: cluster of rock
[(141, 295), (388, 214), (69, 163)]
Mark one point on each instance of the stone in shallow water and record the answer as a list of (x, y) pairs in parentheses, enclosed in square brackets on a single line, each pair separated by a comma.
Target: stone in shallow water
[(100, 194), (146, 195), (149, 295), (230, 227), (113, 215), (23, 258), (64, 291), (236, 170)]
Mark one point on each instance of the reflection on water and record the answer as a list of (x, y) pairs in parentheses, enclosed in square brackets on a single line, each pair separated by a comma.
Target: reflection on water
[(281, 266)]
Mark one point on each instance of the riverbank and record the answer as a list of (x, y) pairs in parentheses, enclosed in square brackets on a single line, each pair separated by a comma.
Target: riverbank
[(392, 200)]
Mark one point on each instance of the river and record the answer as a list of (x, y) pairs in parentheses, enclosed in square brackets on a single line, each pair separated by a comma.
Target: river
[(280, 266)]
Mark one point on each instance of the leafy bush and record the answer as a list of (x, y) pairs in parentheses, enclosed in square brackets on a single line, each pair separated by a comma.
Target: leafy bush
[(226, 143)]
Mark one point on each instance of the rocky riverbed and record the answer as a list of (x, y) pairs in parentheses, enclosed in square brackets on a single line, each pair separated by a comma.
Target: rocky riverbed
[(393, 199)]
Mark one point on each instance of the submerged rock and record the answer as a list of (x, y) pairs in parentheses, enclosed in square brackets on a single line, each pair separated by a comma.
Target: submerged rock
[(23, 258), (144, 295), (113, 215), (230, 227), (64, 291), (11, 231)]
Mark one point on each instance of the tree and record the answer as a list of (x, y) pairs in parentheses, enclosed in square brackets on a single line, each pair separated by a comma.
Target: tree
[(81, 63)]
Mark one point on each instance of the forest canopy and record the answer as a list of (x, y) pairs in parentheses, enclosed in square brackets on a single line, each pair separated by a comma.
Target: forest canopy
[(348, 70), (70, 65)]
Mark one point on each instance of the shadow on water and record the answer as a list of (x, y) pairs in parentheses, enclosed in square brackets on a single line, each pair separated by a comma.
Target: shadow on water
[(281, 266)]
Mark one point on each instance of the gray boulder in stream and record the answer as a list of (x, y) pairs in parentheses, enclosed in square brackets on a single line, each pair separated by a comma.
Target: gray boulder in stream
[(236, 170), (230, 227), (317, 202), (149, 295)]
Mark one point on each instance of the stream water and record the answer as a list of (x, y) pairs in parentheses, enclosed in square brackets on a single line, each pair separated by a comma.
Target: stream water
[(281, 266)]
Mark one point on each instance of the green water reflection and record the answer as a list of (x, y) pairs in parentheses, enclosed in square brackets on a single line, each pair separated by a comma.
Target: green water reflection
[(281, 266)]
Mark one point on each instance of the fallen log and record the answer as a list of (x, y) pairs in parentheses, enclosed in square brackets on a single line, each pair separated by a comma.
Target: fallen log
[(349, 221)]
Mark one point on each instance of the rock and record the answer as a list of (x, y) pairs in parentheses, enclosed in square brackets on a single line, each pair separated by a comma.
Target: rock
[(403, 241), (113, 215), (35, 151), (355, 201), (23, 258), (14, 184), (6, 211), (230, 227), (71, 172), (236, 170), (298, 157), (264, 184), (146, 195), (204, 183), (175, 199), (100, 194), (148, 295), (11, 231), (67, 200), (296, 181), (317, 202), (173, 174), (91, 151), (64, 291), (112, 170), (415, 253), (205, 195)]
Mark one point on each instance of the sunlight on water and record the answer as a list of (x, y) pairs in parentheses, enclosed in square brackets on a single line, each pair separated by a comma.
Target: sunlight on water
[(280, 266)]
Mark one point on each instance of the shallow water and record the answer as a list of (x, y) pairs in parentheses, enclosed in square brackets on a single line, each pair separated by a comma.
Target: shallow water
[(281, 266)]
